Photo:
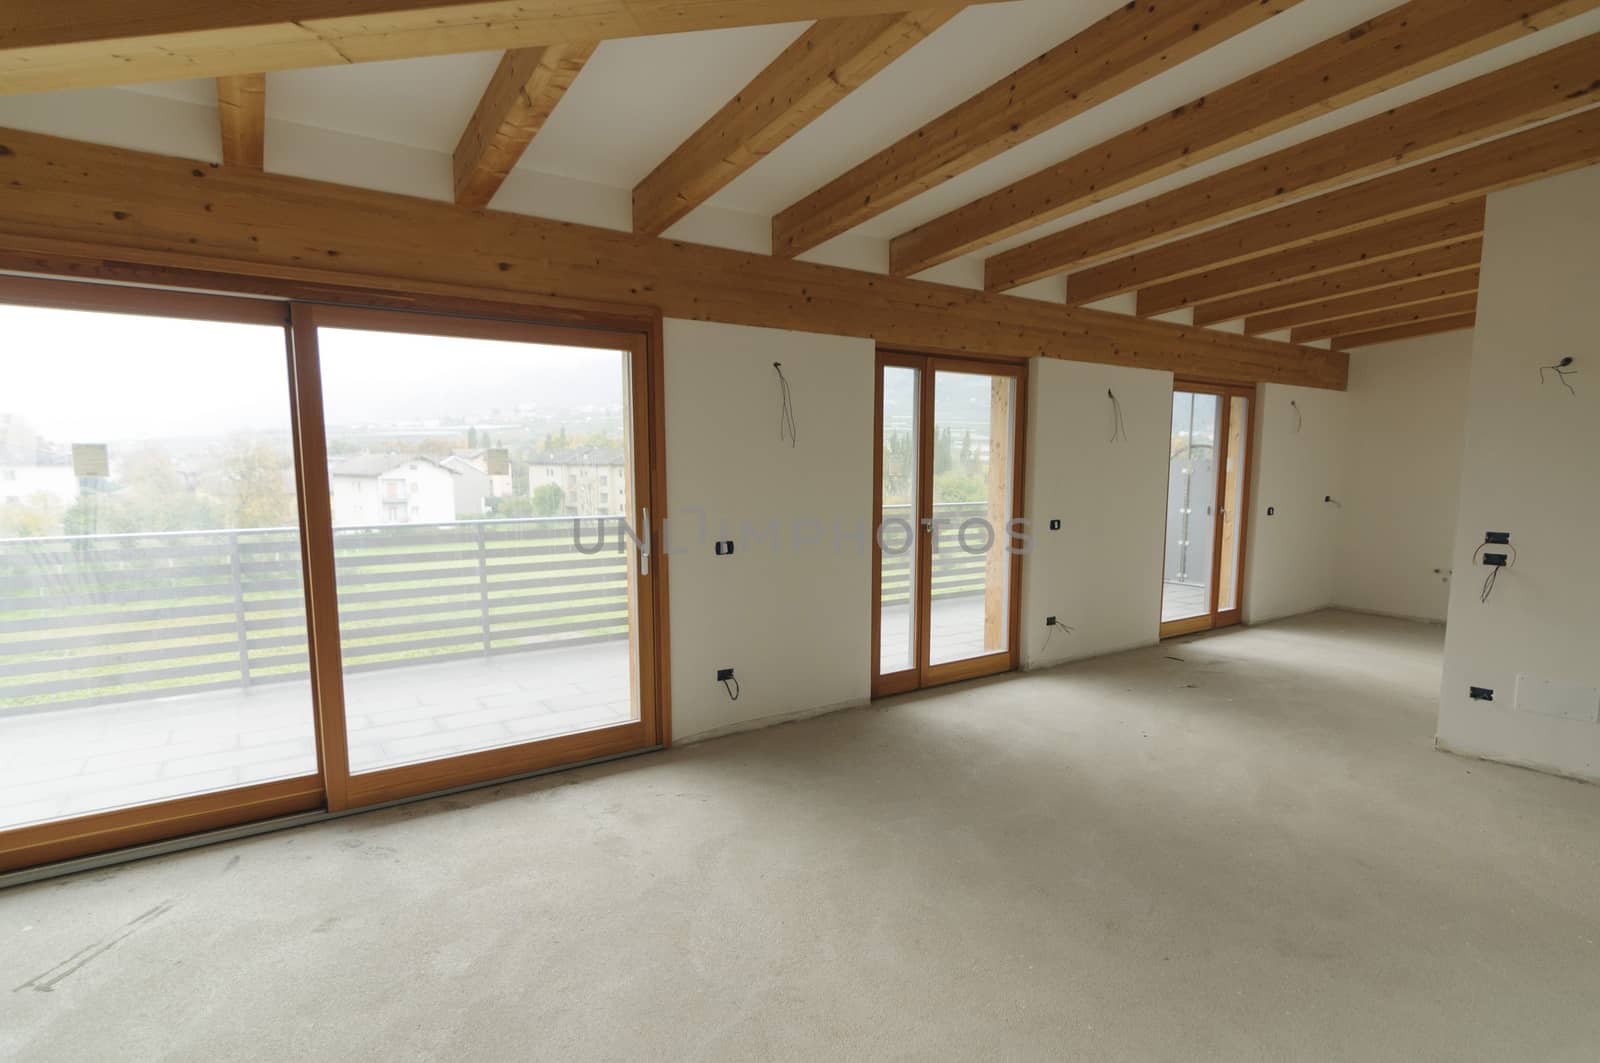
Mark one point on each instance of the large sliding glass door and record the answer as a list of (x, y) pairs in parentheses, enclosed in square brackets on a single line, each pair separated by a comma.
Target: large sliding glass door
[(488, 492), (946, 561), (1207, 488), (249, 569)]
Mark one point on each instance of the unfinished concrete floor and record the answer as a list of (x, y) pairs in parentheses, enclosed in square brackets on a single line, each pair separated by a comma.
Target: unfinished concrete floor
[(1252, 853)]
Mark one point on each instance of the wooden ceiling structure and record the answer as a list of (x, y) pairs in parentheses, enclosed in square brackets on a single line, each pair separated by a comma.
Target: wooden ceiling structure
[(1369, 233)]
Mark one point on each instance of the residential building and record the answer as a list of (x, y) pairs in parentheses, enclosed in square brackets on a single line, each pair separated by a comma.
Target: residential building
[(392, 489), (593, 480)]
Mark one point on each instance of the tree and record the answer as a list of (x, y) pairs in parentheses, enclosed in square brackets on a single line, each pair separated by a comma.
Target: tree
[(38, 514), (256, 487), (943, 456), (547, 499)]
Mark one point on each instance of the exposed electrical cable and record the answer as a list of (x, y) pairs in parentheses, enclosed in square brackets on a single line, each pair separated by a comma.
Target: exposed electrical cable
[(1049, 633), (1299, 418), (786, 424), (1562, 371), (1119, 427), (1493, 577), (733, 689)]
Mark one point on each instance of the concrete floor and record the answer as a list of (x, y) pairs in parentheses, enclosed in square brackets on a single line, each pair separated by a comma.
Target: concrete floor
[(1250, 853)]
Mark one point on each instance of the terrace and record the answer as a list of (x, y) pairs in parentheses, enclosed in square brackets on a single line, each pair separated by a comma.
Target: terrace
[(143, 667)]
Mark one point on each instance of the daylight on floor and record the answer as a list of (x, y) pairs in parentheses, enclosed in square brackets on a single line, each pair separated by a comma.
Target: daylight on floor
[(838, 530)]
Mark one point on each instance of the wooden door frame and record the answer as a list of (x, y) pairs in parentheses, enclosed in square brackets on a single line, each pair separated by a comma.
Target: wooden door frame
[(70, 284), (1213, 618), (924, 673)]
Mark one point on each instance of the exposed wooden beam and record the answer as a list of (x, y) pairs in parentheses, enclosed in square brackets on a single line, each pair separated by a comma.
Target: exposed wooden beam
[(1336, 310), (1393, 317), (1449, 225), (1346, 281), (827, 63), (1405, 332), (1123, 49), (1553, 148), (1543, 87), (242, 113), (521, 96), (64, 197), (46, 44)]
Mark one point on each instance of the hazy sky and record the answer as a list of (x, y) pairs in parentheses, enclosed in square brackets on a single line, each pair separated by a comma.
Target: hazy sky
[(86, 377)]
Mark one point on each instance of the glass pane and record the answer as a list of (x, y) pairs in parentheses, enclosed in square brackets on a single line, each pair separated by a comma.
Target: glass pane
[(1191, 506), (972, 447), (1232, 543), (152, 615), (897, 533), (481, 490)]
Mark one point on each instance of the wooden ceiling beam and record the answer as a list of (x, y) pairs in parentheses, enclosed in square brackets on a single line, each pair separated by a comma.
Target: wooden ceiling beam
[(1405, 332), (1398, 239), (827, 63), (1543, 87), (1410, 293), (1125, 48), (1343, 282), (1544, 151), (521, 96), (242, 114), (1393, 317), (47, 45), (64, 197)]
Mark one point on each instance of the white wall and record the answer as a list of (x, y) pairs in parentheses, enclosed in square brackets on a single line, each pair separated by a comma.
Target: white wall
[(1300, 460), (1407, 407), (792, 619), (1101, 574), (1531, 469)]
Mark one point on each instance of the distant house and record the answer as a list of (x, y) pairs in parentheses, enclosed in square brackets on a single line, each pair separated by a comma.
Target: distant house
[(482, 475), (392, 489), (21, 483), (593, 480)]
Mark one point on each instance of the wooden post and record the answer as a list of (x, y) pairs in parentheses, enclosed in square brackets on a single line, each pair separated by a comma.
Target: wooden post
[(483, 583), (997, 571), (235, 569)]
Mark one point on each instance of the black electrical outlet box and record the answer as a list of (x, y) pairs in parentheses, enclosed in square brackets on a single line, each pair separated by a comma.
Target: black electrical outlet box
[(1049, 621), (724, 674), (1482, 694), (1055, 525), (1498, 538), (1495, 560), (725, 548), (1272, 511)]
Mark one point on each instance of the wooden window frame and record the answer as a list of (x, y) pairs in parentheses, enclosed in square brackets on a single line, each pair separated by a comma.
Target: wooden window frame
[(1213, 619), (298, 308), (923, 673)]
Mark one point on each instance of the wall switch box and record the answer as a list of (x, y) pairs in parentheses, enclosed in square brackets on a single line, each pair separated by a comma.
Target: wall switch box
[(724, 674), (1481, 694), (1272, 511), (1495, 560), (1497, 538), (1049, 621), (1553, 697), (724, 547), (1055, 525)]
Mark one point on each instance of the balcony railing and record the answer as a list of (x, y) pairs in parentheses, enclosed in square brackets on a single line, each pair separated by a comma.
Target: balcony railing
[(95, 619)]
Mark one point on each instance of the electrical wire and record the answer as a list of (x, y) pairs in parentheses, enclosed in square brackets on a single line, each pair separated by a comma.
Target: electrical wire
[(787, 429), (1561, 370), (1050, 633), (1119, 427), (1493, 577), (733, 691), (1299, 418)]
